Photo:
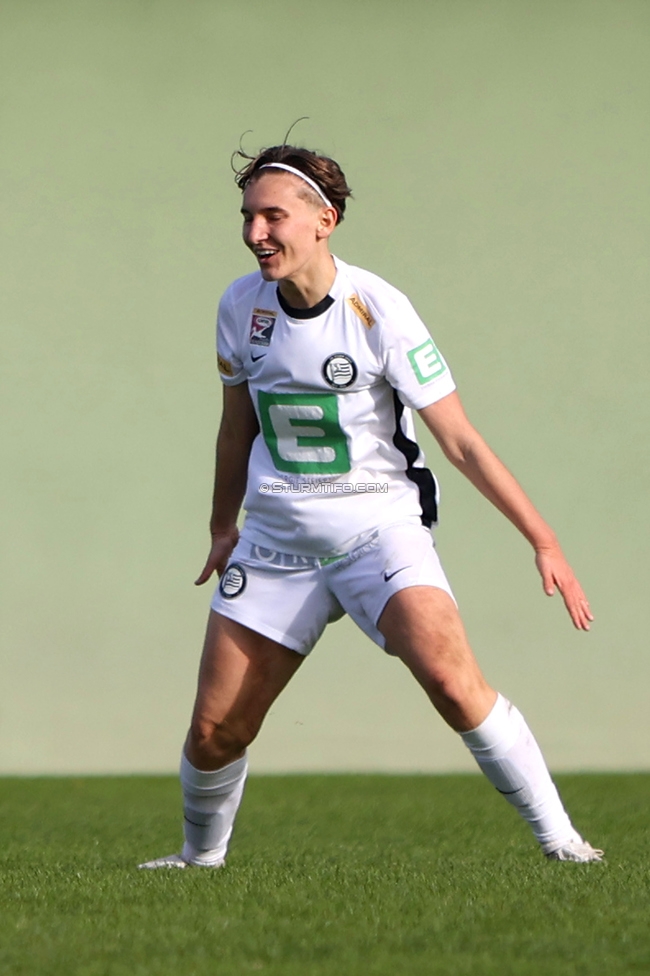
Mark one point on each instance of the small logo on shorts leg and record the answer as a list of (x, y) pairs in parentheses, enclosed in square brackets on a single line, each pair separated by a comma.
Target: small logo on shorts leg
[(339, 371), (389, 576), (233, 581)]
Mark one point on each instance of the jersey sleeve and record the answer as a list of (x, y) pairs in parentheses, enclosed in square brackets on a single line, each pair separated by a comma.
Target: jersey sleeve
[(231, 367), (414, 365)]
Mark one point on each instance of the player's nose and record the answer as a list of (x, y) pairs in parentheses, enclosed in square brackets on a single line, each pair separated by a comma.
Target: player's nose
[(256, 231)]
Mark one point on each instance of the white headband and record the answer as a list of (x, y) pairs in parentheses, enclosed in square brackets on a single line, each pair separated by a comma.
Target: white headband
[(307, 179)]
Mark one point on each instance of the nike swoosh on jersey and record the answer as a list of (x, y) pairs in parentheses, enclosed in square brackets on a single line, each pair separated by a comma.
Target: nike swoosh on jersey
[(389, 576), (255, 358)]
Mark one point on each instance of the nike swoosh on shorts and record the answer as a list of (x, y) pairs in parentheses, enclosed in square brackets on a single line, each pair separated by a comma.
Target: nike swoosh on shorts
[(389, 576)]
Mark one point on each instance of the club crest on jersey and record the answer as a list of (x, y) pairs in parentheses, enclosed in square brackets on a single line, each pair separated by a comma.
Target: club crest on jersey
[(339, 371), (262, 325), (233, 581)]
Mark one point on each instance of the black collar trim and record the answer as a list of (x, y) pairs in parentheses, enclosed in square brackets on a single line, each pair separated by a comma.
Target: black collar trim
[(305, 313)]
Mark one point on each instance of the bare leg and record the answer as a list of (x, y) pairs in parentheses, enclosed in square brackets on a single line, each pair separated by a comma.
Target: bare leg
[(422, 626), (241, 675)]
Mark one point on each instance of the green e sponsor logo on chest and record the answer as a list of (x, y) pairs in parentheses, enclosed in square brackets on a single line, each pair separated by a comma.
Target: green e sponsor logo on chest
[(302, 432), (426, 361)]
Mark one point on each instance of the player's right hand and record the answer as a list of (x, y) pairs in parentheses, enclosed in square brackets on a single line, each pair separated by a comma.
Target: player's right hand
[(223, 544)]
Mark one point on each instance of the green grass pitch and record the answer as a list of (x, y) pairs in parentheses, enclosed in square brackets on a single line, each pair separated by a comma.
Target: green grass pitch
[(340, 875)]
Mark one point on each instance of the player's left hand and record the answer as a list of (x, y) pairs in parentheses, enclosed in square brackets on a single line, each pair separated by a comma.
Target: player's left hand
[(556, 572)]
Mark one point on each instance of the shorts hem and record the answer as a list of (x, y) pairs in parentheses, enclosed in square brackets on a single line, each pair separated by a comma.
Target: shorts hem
[(263, 628), (409, 586)]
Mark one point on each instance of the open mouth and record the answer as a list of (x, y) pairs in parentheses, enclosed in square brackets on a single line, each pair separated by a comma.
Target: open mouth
[(264, 254)]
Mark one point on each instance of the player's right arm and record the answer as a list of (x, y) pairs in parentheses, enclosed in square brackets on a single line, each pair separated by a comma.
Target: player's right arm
[(238, 430)]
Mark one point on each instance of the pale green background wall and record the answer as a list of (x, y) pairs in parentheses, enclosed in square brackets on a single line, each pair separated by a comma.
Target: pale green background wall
[(499, 156)]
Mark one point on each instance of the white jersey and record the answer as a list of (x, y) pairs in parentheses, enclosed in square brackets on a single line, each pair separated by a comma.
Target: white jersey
[(332, 387)]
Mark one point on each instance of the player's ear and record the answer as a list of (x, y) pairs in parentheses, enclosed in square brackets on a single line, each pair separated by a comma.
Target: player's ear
[(326, 222)]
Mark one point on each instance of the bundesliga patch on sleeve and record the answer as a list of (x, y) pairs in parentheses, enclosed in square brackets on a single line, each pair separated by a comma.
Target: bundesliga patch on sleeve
[(426, 361), (225, 366), (262, 325)]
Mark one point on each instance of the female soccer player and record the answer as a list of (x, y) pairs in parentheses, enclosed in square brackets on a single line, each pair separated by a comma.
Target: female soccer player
[(322, 364)]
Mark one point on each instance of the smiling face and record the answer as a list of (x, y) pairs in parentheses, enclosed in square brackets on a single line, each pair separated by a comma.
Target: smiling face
[(286, 230)]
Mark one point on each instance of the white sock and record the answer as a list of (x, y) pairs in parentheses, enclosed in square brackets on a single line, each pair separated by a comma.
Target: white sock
[(210, 803), (506, 751)]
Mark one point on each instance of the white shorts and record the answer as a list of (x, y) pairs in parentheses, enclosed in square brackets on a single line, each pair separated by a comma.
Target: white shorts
[(291, 599)]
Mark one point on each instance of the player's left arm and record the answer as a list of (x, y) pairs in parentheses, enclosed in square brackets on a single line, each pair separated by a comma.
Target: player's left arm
[(465, 448)]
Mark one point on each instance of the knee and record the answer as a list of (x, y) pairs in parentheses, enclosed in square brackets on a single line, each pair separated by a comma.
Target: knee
[(455, 685), (462, 697), (447, 686), (219, 741)]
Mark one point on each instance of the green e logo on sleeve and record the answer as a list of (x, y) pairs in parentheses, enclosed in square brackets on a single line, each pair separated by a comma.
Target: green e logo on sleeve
[(302, 432), (426, 361)]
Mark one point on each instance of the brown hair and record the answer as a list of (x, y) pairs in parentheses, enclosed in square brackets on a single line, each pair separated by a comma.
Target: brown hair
[(321, 169)]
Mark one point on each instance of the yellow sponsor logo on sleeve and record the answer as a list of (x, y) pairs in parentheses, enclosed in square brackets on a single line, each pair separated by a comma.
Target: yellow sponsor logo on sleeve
[(225, 367), (360, 309)]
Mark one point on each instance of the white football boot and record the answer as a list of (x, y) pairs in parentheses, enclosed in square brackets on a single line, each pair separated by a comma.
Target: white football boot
[(575, 849), (176, 861)]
